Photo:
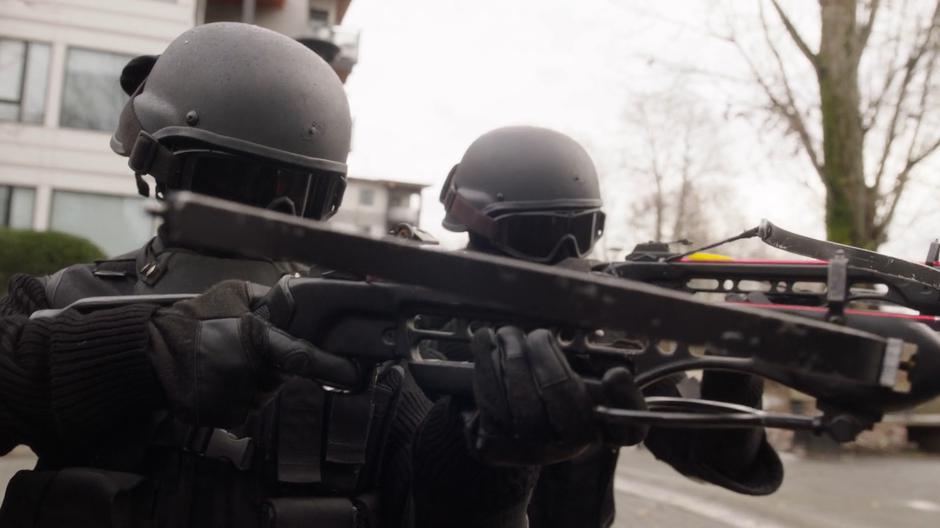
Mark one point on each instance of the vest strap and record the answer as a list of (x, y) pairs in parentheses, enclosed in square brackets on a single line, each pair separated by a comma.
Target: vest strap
[(208, 442), (115, 269), (347, 439), (301, 404)]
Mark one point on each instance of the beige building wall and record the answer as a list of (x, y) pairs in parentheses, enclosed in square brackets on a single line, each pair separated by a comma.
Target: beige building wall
[(53, 155), (56, 174)]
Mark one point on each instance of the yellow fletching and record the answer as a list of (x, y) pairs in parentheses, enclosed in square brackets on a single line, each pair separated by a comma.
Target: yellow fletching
[(708, 256)]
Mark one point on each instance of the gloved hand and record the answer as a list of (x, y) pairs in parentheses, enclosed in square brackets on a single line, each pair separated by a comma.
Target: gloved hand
[(533, 409), (737, 459), (217, 360)]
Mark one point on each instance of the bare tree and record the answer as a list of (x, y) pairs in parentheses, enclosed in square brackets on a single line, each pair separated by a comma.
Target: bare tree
[(673, 166), (863, 139)]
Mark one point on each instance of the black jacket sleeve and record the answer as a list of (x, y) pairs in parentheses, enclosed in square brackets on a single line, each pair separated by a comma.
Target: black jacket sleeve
[(741, 460), (430, 478), (454, 488), (66, 379)]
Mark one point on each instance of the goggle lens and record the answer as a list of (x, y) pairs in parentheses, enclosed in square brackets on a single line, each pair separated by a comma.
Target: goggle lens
[(259, 183), (539, 235)]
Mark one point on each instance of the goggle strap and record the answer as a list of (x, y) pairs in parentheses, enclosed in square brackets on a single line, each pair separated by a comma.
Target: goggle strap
[(472, 218), (148, 156)]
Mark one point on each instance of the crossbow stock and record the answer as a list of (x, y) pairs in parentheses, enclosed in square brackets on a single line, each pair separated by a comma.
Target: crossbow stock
[(411, 298)]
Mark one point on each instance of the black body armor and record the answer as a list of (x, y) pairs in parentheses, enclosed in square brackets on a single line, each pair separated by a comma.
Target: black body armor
[(299, 461)]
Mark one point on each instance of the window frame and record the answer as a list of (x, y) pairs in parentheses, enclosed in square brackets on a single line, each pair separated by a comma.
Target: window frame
[(8, 206), (85, 193), (27, 50), (65, 83), (316, 23), (363, 192)]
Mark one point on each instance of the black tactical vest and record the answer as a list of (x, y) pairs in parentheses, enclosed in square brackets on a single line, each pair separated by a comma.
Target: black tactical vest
[(300, 461), (155, 268)]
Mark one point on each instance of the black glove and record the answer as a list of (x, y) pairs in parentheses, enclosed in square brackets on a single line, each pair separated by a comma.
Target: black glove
[(533, 409), (217, 361), (737, 459)]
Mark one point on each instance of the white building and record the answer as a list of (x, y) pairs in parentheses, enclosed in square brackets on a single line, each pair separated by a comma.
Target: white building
[(60, 100), (60, 61), (377, 206)]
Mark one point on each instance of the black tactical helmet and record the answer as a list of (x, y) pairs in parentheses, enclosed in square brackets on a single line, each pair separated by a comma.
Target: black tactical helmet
[(239, 112), (529, 192)]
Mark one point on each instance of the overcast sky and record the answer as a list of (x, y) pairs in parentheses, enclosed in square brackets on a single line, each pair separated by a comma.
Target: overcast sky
[(435, 74)]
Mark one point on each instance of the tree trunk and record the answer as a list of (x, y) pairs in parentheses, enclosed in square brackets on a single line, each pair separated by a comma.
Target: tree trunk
[(849, 203)]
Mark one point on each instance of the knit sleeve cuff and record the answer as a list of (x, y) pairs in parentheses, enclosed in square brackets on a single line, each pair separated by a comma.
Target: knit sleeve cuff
[(25, 417), (762, 476), (452, 484), (100, 371)]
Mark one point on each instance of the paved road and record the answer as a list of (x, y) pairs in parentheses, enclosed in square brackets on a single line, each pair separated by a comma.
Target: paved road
[(19, 458), (849, 491), (899, 491)]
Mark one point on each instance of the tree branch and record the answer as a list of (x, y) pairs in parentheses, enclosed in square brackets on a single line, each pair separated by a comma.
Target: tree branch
[(678, 225), (910, 67), (874, 107), (900, 183), (892, 132), (658, 198), (877, 103), (786, 106), (927, 151), (865, 31), (795, 35), (894, 197)]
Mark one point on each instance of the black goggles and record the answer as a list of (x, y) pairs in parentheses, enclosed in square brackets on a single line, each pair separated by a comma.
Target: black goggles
[(261, 183), (532, 235), (540, 235)]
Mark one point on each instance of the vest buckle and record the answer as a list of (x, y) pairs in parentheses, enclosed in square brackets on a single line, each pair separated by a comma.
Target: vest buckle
[(220, 444)]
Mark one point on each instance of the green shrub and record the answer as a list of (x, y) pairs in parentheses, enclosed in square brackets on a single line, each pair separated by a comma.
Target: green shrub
[(41, 253)]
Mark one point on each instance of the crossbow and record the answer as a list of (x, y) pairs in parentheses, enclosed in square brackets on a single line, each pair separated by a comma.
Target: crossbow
[(389, 296)]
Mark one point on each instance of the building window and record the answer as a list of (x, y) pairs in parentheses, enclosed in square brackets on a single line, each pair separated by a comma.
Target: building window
[(116, 224), (319, 18), (92, 97), (16, 207), (24, 74), (407, 200), (366, 197), (397, 200)]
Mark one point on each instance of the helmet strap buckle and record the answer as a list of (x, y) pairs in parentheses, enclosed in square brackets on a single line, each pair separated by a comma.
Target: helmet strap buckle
[(148, 156), (143, 153), (143, 188)]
